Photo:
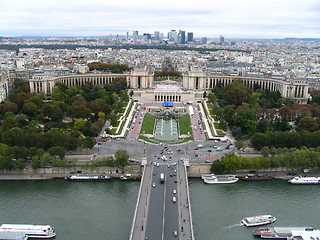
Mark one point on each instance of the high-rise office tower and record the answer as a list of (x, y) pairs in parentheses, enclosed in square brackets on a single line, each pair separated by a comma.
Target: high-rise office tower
[(190, 37), (221, 38), (173, 36), (204, 40), (157, 35), (182, 35), (127, 36), (135, 33), (147, 35)]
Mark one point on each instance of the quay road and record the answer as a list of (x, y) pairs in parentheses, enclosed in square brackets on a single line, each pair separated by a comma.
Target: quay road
[(158, 216)]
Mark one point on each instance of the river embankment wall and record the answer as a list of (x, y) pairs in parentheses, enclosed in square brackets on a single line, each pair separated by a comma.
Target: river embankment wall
[(194, 171)]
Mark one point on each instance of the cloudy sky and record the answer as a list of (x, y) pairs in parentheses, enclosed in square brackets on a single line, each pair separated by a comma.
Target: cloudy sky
[(210, 18)]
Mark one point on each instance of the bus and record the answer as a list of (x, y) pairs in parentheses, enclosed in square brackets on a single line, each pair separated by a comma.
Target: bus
[(162, 177)]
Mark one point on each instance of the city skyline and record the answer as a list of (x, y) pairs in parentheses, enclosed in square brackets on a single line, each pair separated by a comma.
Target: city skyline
[(205, 18)]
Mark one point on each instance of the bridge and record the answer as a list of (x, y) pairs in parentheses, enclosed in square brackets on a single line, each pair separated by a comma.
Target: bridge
[(163, 209)]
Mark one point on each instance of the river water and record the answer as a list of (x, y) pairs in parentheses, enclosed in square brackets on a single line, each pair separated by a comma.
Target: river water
[(104, 210)]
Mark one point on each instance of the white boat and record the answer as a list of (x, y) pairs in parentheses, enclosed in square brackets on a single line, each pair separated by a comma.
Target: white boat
[(279, 232), (31, 231), (258, 220), (304, 180), (305, 235), (204, 176), (221, 179), (12, 236), (88, 178)]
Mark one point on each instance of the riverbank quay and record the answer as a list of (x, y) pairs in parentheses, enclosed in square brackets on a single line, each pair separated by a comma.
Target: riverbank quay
[(50, 175), (278, 175)]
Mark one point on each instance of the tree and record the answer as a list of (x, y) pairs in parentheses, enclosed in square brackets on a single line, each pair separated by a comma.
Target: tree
[(239, 144), (10, 107), (20, 164), (260, 140), (122, 157), (80, 124), (246, 120), (30, 108), (217, 167), (308, 123), (235, 93), (57, 151)]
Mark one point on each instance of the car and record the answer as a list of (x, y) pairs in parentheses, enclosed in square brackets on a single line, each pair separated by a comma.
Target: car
[(175, 233), (209, 150), (174, 199), (292, 174), (154, 163), (154, 173), (175, 181), (169, 166), (174, 191), (197, 155), (171, 175), (158, 164), (175, 171), (174, 174), (153, 184), (207, 161)]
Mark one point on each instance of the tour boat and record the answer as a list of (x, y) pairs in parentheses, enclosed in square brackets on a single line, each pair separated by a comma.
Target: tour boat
[(130, 177), (258, 220), (31, 231), (12, 235), (304, 180), (305, 235), (221, 179), (204, 176), (88, 178), (256, 177), (279, 232)]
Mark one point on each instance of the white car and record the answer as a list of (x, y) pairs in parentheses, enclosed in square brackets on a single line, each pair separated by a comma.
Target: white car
[(153, 184), (174, 191)]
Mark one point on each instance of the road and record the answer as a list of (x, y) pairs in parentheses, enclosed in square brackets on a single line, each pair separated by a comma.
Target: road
[(163, 212)]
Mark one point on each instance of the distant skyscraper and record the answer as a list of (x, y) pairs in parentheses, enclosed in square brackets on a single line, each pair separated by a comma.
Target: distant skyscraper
[(127, 36), (173, 36), (190, 37), (147, 35), (221, 39), (182, 37), (135, 33), (157, 35), (204, 40), (161, 37)]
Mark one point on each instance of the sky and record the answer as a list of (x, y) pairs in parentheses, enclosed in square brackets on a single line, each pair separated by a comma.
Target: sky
[(205, 18)]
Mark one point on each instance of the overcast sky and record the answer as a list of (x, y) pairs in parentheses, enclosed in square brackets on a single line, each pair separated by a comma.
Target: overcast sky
[(205, 18)]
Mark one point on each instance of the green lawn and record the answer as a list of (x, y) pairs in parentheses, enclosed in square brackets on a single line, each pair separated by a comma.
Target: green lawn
[(147, 124), (185, 125)]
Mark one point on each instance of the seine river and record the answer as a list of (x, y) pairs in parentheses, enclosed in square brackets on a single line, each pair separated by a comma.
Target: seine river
[(104, 210)]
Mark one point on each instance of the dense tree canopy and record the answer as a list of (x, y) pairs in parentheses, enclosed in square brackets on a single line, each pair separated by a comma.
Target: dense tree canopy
[(33, 124)]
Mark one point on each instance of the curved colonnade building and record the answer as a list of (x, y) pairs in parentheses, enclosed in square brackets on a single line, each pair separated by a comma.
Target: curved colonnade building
[(194, 83)]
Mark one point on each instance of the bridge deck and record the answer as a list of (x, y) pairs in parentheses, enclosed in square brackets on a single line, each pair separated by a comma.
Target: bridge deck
[(183, 219)]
